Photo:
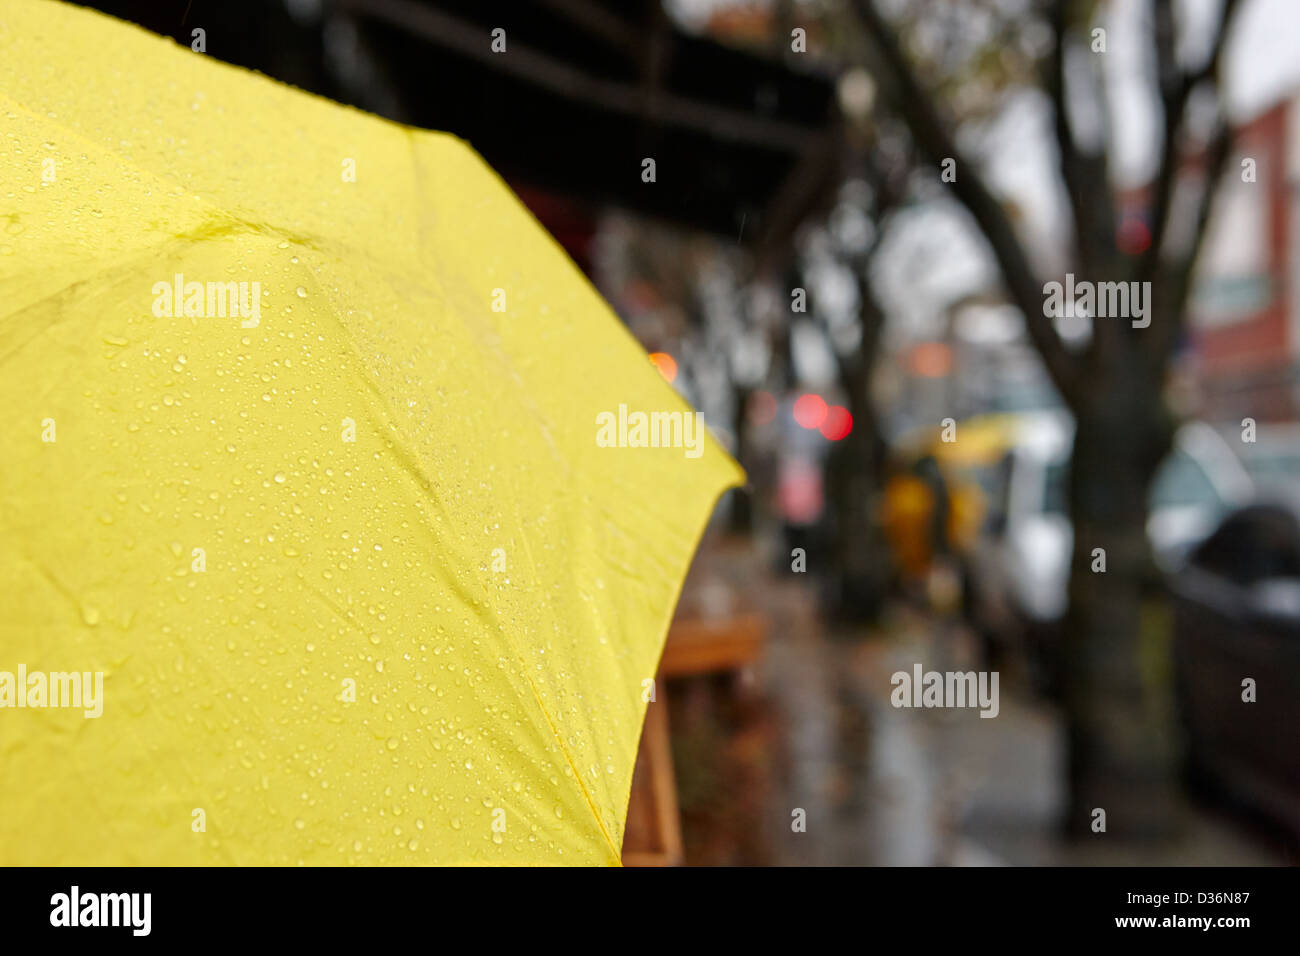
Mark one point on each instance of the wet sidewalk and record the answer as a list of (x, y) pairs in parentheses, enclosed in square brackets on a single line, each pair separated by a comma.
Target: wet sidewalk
[(903, 786), (813, 730)]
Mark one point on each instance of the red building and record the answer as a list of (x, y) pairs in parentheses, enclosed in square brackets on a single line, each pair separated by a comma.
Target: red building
[(1244, 312)]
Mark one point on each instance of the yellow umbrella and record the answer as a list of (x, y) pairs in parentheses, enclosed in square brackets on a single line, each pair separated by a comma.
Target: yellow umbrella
[(306, 482)]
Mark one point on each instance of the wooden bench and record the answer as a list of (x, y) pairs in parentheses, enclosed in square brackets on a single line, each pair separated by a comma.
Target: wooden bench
[(653, 834), (708, 646)]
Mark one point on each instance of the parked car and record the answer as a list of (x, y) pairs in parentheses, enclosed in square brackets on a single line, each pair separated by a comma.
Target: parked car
[(1273, 458), (1200, 482), (1024, 562), (1024, 565), (1237, 658)]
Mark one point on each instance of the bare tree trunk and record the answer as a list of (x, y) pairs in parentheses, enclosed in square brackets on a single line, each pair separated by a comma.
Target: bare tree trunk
[(741, 521), (856, 474), (1115, 660), (1115, 675)]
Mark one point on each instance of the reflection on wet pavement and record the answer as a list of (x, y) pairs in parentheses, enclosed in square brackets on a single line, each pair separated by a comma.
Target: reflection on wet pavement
[(813, 730)]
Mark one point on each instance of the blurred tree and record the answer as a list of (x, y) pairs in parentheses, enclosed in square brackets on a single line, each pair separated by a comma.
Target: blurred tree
[(1121, 753), (874, 150), (856, 471)]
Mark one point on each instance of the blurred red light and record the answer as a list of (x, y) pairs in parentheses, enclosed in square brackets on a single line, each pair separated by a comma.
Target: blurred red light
[(838, 423), (810, 411)]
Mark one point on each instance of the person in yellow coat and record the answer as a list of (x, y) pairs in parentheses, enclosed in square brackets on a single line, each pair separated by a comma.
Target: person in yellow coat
[(931, 520)]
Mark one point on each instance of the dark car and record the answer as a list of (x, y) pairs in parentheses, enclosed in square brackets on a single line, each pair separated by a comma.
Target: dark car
[(1237, 636)]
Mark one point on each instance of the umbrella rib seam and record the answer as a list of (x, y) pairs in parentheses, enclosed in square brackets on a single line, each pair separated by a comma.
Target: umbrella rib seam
[(569, 759)]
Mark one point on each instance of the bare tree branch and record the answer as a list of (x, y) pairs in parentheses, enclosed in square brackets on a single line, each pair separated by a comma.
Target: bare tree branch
[(1087, 180), (1175, 90), (1086, 176), (915, 107), (1176, 279), (1173, 278)]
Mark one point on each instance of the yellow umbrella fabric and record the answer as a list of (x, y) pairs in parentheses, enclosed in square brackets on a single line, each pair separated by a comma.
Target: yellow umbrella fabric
[(301, 460)]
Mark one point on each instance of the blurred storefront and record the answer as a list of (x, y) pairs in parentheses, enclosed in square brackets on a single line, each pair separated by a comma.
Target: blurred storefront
[(1245, 314)]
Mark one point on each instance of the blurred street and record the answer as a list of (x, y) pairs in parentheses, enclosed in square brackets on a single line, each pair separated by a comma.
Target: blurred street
[(812, 727)]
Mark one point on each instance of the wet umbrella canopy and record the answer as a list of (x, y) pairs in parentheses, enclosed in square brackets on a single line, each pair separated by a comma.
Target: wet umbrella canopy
[(299, 468)]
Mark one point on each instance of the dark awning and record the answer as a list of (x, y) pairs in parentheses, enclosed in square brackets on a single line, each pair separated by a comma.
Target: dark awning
[(584, 92)]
